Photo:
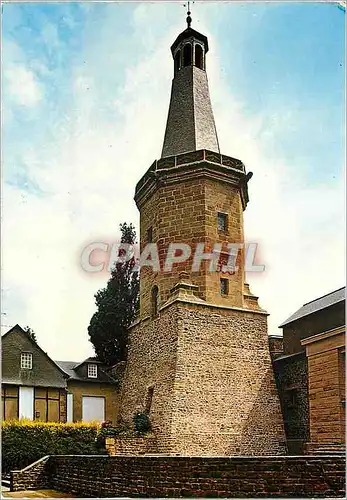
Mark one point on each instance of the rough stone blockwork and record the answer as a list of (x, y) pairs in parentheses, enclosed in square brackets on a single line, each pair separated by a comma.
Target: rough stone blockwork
[(233, 477), (131, 446), (32, 477)]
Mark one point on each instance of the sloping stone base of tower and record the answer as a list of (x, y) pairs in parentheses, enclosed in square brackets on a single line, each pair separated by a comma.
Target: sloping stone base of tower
[(213, 386)]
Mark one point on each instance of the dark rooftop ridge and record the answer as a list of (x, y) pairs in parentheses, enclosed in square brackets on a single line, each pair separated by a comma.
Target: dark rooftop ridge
[(326, 295), (316, 305)]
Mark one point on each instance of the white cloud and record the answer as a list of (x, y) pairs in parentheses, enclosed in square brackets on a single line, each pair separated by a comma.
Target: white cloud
[(22, 86), (89, 171)]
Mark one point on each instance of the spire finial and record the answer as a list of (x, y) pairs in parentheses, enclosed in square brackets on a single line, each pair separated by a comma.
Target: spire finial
[(189, 19)]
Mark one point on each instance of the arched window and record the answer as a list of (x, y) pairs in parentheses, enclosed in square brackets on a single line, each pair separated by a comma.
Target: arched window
[(199, 57), (154, 298), (177, 61), (187, 55)]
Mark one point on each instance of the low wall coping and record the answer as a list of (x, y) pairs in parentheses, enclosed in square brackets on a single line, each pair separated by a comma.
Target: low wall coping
[(34, 463)]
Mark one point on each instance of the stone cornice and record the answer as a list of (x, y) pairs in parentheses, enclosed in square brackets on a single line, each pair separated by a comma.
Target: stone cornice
[(202, 303), (192, 165)]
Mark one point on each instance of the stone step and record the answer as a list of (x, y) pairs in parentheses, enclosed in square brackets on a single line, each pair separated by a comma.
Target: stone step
[(5, 482), (325, 448)]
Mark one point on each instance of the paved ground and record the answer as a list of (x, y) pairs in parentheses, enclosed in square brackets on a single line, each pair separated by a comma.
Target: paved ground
[(6, 493)]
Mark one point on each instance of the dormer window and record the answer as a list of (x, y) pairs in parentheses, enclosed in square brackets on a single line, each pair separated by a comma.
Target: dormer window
[(26, 361), (92, 371)]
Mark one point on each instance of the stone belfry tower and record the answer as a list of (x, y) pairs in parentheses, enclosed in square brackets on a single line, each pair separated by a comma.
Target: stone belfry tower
[(198, 358)]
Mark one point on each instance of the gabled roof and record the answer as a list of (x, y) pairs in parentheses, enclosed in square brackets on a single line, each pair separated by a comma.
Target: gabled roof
[(317, 304), (91, 359), (71, 369), (18, 328)]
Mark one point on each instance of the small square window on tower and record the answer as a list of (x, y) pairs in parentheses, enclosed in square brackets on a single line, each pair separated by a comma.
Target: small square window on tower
[(224, 286), (222, 222), (26, 361), (149, 235)]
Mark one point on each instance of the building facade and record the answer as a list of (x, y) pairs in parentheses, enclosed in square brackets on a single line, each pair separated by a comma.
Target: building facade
[(199, 360), (310, 375), (35, 387), (92, 393)]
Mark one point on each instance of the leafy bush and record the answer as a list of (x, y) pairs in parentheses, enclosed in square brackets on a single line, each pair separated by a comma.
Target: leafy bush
[(142, 423), (24, 442)]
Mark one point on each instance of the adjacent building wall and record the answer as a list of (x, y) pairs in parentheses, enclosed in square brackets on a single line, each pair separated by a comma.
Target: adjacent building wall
[(44, 372), (326, 382), (291, 380), (108, 391), (319, 321)]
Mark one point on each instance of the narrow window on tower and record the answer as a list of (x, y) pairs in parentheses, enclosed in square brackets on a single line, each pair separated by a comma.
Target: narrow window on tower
[(224, 286), (177, 61), (149, 399), (222, 222), (150, 235), (198, 57), (187, 55), (155, 294)]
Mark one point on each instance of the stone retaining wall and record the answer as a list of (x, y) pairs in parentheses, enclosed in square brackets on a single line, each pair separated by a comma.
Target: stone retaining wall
[(32, 477), (163, 476)]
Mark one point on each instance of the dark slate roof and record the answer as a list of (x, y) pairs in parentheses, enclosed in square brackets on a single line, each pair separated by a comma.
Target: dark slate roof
[(289, 357), (316, 305), (187, 33), (69, 367), (91, 359)]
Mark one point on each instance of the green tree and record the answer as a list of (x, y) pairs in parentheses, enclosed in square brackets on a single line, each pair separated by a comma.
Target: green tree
[(31, 334), (117, 305)]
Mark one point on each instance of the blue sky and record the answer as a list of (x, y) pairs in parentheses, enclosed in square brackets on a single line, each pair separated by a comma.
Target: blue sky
[(85, 96)]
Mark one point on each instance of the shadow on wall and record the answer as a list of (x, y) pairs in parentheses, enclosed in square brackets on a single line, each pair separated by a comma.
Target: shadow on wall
[(263, 431)]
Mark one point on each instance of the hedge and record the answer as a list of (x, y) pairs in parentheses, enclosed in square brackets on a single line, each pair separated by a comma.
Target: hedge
[(24, 442)]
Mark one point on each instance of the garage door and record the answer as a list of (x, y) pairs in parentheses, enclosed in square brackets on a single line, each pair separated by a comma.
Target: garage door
[(93, 409)]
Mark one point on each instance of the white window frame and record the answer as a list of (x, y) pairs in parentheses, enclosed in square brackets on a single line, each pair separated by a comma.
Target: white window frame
[(26, 361), (92, 370)]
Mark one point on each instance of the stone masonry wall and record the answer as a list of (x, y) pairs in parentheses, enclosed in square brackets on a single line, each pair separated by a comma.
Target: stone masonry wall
[(325, 402), (131, 446), (214, 389), (32, 477), (152, 363), (267, 477), (291, 379), (226, 401), (275, 346), (187, 212)]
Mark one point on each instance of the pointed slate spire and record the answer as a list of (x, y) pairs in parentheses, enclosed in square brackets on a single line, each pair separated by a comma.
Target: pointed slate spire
[(190, 124)]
